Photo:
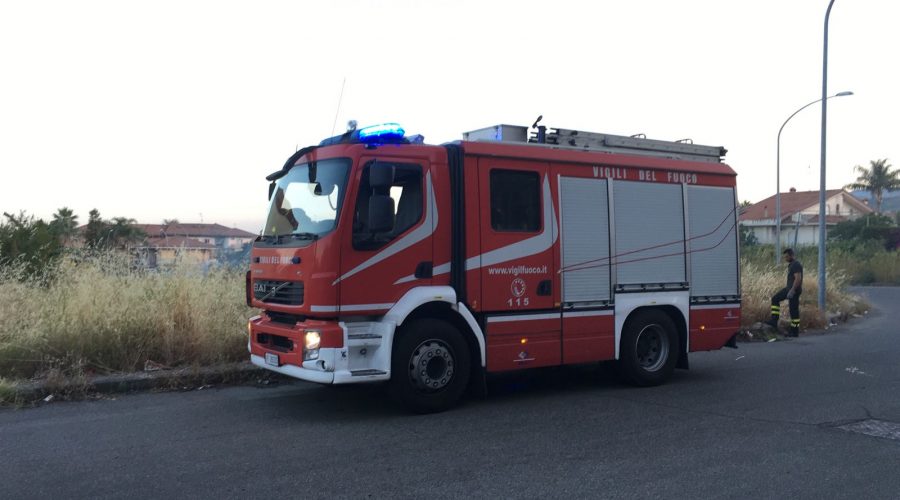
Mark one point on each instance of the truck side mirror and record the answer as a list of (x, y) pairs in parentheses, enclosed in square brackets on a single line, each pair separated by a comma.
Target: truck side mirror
[(271, 189), (381, 213), (381, 176)]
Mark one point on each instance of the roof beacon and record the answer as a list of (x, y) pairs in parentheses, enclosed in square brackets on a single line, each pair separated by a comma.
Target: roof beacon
[(386, 132)]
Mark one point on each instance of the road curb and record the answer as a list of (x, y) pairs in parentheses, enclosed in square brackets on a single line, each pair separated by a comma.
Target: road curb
[(179, 378)]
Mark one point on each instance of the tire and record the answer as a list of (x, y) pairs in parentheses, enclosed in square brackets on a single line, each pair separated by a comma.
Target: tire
[(430, 366), (649, 349)]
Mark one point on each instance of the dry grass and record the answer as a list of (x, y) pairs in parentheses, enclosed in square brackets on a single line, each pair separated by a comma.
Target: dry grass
[(760, 281), (873, 268), (99, 315)]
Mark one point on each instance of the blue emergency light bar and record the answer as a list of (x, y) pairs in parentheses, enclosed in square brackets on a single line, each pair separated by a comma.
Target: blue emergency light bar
[(386, 132)]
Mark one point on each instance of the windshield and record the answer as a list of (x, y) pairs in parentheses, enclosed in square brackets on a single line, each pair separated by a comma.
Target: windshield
[(307, 200)]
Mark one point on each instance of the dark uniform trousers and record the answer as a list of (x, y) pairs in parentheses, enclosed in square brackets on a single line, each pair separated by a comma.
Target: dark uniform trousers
[(793, 307)]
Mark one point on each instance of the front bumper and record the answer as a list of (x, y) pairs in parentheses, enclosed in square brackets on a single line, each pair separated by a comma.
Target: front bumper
[(350, 352), (309, 374)]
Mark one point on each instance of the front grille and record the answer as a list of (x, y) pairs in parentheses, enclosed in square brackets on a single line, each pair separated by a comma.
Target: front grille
[(289, 293), (275, 342), (284, 318)]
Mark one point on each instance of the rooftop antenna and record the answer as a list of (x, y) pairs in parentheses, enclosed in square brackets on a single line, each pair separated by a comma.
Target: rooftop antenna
[(541, 130), (338, 111)]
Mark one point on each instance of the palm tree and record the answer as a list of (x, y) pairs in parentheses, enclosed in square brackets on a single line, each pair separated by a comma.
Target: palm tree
[(876, 179), (122, 231), (64, 224)]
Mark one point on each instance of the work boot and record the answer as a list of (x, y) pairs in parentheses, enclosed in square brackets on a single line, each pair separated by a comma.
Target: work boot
[(795, 327), (773, 323)]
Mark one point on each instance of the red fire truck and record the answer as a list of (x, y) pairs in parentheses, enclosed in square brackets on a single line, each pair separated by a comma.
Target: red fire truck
[(432, 266)]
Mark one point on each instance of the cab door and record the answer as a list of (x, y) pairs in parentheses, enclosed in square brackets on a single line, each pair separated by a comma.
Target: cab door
[(518, 234), (379, 266)]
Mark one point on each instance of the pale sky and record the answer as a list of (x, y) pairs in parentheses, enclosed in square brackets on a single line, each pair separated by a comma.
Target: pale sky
[(172, 109)]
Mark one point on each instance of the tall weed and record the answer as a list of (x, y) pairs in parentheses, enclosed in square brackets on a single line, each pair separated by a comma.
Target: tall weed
[(98, 314), (760, 280)]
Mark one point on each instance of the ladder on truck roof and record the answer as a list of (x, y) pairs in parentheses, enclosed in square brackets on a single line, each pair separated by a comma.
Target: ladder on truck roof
[(593, 141)]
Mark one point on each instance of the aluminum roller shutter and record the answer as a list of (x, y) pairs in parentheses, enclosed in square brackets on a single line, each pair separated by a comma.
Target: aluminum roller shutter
[(713, 244), (585, 239), (649, 215)]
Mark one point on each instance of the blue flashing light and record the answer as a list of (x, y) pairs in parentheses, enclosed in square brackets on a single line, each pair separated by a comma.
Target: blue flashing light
[(386, 132)]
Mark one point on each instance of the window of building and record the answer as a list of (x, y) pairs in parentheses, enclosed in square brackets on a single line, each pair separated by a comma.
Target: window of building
[(406, 191), (515, 201), (837, 209)]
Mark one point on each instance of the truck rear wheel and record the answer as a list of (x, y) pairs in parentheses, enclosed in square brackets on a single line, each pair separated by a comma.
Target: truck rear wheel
[(649, 349), (429, 366)]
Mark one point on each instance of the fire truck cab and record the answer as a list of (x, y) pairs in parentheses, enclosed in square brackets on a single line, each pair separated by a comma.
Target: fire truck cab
[(431, 266)]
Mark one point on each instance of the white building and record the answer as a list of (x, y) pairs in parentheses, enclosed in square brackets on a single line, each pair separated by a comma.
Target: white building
[(800, 215)]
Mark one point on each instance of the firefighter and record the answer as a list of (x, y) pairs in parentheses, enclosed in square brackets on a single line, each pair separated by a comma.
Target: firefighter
[(791, 293)]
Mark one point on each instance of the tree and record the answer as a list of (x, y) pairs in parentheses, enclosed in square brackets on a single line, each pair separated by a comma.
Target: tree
[(122, 231), (117, 233), (29, 241), (870, 229), (169, 222), (748, 237), (876, 179), (64, 224), (95, 230)]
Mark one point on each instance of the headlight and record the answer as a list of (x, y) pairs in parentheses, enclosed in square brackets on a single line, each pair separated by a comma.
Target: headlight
[(312, 340), (311, 345)]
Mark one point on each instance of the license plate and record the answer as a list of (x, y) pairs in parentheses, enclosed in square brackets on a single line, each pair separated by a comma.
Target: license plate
[(272, 359)]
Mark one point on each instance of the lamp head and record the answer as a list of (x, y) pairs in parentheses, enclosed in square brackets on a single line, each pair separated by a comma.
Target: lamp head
[(844, 93)]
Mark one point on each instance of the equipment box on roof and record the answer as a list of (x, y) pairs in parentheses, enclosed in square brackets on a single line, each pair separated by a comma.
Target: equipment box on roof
[(503, 133)]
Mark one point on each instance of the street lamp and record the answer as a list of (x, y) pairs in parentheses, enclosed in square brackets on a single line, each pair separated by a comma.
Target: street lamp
[(778, 175), (822, 170)]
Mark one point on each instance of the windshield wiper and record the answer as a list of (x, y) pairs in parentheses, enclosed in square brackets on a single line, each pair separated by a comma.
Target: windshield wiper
[(277, 239), (305, 236)]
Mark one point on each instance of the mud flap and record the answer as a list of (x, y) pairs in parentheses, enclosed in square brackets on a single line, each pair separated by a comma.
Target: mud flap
[(732, 342), (682, 363), (478, 383)]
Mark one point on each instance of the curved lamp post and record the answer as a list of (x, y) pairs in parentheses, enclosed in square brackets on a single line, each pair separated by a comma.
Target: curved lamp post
[(778, 174)]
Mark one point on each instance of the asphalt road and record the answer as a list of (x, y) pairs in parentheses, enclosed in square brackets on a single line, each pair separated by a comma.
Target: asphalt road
[(769, 420)]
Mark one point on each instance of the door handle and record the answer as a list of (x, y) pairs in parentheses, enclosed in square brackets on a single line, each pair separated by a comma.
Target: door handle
[(424, 270)]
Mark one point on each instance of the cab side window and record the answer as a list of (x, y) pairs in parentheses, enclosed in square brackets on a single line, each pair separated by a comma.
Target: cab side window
[(406, 191), (515, 201)]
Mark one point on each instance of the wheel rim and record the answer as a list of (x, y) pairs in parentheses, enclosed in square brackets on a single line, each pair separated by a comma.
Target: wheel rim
[(652, 347), (431, 365)]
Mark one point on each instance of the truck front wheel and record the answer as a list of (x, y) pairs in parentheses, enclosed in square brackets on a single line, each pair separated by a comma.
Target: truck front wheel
[(429, 366), (649, 348)]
